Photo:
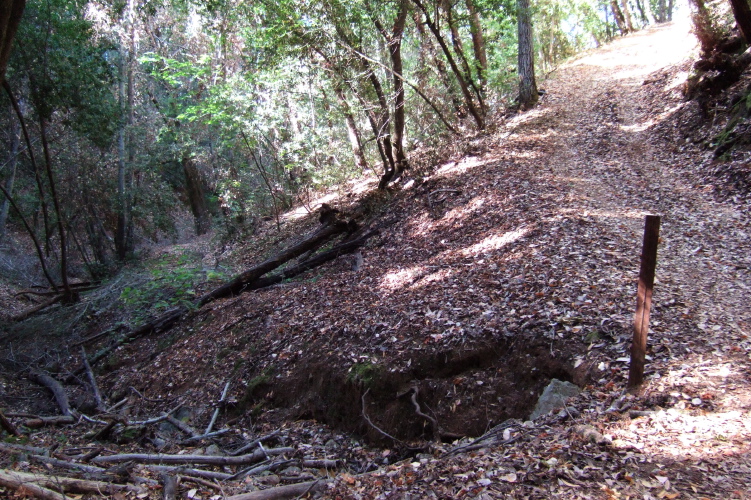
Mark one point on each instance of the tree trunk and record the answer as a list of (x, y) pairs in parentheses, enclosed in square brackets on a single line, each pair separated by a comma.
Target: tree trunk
[(394, 40), (196, 198), (478, 44), (456, 42), (463, 85), (10, 15), (12, 161), (742, 14), (353, 132), (627, 15), (69, 295), (620, 21), (528, 95)]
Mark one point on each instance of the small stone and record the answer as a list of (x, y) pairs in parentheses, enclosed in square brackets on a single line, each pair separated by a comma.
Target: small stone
[(696, 401), (331, 444), (292, 471)]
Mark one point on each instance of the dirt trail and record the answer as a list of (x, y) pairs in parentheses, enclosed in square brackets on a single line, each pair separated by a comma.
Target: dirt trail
[(622, 170)]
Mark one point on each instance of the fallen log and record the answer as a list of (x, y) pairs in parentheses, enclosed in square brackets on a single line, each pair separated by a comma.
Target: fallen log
[(186, 471), (39, 422), (9, 479), (289, 491), (159, 458), (35, 309), (9, 427), (72, 485), (240, 283)]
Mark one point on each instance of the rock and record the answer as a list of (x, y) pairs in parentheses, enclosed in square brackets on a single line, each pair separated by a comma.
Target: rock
[(331, 444), (214, 450), (554, 397), (292, 471)]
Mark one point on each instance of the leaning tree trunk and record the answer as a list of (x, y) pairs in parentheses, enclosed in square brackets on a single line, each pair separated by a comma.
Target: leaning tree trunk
[(10, 16), (476, 113), (528, 95), (478, 43), (742, 14), (618, 15)]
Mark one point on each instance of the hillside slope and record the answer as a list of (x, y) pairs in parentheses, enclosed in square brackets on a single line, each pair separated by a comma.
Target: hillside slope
[(513, 264)]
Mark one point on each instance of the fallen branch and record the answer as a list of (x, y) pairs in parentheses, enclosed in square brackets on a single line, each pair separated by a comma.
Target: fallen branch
[(253, 444), (9, 427), (73, 485), (9, 479), (254, 457), (39, 307), (219, 406), (183, 426), (169, 484), (185, 471), (39, 422), (374, 426), (195, 439), (55, 388), (289, 491), (92, 381)]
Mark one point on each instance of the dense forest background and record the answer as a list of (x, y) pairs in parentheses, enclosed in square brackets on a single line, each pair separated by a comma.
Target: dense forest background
[(132, 123)]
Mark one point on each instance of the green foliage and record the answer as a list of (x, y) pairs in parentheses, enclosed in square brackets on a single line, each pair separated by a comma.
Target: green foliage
[(171, 284), (363, 374), (68, 69)]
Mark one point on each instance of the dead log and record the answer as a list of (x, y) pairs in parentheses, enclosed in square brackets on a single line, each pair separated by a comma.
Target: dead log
[(238, 284), (289, 491), (73, 485), (9, 427), (183, 426), (186, 471), (39, 422), (37, 308), (55, 388), (12, 480), (251, 458)]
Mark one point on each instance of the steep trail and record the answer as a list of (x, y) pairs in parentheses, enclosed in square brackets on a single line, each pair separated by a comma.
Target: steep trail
[(608, 142)]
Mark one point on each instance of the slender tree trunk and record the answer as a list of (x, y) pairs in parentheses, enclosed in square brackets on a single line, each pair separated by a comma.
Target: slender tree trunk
[(122, 220), (10, 15), (426, 45), (353, 132), (456, 42), (34, 165), (69, 296), (620, 21), (627, 15), (11, 165), (478, 44), (463, 85), (671, 7), (528, 95), (394, 41), (742, 14)]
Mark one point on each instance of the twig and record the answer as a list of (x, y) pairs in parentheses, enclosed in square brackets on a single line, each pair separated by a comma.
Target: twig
[(374, 426), (219, 406), (195, 439), (253, 444), (418, 411)]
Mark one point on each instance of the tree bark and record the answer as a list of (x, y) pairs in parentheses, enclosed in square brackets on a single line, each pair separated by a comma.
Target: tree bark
[(620, 21), (478, 44), (528, 95), (12, 161), (463, 85), (627, 15), (196, 198), (742, 14), (10, 15)]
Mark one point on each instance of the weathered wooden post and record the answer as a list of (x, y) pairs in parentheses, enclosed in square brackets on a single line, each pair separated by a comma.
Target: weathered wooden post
[(644, 300)]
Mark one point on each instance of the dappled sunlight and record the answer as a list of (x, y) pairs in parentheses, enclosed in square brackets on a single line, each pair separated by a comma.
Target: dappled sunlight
[(461, 167), (495, 242), (610, 214), (396, 280)]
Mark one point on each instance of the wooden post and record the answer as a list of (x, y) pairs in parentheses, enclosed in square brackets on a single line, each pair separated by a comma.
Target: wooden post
[(644, 300)]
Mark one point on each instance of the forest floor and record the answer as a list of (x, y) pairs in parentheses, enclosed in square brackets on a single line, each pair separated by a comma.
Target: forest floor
[(511, 264)]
